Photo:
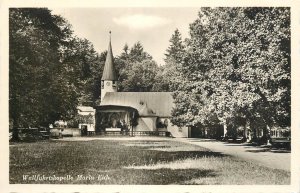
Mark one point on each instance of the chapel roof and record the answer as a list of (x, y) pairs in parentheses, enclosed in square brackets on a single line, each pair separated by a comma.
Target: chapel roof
[(109, 72), (146, 103)]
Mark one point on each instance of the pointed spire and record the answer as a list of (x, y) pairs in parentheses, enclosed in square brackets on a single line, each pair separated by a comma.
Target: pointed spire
[(109, 72)]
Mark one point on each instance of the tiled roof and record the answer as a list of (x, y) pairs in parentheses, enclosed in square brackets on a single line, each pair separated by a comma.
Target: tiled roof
[(146, 103)]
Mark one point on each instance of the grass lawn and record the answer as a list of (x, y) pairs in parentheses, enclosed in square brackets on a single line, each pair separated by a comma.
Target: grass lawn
[(132, 162)]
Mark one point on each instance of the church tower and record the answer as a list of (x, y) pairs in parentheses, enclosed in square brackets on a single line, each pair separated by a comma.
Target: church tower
[(109, 81)]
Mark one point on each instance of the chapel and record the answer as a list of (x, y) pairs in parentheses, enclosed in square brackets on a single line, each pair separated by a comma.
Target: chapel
[(131, 113)]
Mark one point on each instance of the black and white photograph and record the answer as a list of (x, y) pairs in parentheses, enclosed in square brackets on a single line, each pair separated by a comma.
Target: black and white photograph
[(153, 95)]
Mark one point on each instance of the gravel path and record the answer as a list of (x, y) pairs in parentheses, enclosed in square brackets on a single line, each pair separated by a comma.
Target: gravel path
[(276, 159)]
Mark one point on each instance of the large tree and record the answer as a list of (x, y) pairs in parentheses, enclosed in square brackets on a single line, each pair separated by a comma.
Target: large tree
[(39, 93), (237, 63)]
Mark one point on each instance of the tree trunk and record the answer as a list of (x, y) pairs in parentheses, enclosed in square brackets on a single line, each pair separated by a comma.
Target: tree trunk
[(247, 131), (225, 128), (268, 135), (253, 133)]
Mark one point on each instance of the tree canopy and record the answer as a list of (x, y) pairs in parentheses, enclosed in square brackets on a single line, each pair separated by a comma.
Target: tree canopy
[(50, 69), (237, 63), (35, 70)]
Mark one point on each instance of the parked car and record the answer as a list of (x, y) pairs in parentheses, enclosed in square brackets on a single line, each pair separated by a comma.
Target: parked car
[(235, 139), (56, 133), (67, 132), (281, 142)]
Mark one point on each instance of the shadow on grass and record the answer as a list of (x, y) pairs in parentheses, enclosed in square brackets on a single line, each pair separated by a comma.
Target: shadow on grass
[(161, 176), (93, 157), (258, 150), (121, 163), (268, 150), (241, 144)]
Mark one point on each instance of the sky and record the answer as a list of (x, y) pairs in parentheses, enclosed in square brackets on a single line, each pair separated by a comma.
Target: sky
[(153, 27)]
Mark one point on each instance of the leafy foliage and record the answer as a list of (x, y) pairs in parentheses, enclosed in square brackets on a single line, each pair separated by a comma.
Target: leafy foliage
[(237, 63), (37, 90), (140, 77), (84, 68), (50, 69)]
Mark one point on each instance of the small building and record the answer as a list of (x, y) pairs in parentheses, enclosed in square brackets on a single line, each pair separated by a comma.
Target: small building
[(86, 119)]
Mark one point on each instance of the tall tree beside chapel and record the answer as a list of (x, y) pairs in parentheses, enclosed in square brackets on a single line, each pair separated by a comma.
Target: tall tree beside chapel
[(44, 77), (237, 62)]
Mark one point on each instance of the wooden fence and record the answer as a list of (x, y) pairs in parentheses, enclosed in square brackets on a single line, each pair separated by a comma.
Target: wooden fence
[(130, 133)]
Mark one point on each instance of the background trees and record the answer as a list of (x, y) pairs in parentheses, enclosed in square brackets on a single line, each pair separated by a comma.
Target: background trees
[(169, 77), (84, 67), (136, 69)]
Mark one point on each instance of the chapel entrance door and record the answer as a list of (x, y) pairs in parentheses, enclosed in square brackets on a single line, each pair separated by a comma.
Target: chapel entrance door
[(83, 130)]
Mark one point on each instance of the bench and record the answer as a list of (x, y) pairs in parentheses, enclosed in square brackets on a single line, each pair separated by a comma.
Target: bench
[(45, 134)]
